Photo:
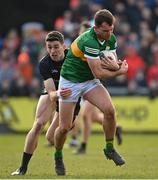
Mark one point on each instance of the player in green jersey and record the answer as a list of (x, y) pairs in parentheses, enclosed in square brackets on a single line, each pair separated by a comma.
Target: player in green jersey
[(81, 72), (89, 114)]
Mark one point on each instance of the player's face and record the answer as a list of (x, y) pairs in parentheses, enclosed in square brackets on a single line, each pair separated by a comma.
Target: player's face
[(104, 31), (55, 50)]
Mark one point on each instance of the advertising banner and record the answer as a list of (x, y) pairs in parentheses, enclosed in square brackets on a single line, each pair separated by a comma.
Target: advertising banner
[(133, 113)]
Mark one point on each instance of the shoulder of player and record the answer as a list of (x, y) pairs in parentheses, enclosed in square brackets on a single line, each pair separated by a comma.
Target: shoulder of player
[(87, 39), (44, 61), (45, 58)]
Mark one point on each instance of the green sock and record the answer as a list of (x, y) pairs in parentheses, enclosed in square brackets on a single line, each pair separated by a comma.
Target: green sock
[(58, 154), (109, 145)]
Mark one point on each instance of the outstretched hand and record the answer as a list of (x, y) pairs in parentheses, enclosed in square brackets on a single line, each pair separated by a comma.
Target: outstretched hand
[(65, 92)]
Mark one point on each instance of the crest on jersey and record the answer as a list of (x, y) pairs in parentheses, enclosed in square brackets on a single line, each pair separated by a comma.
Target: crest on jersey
[(107, 47)]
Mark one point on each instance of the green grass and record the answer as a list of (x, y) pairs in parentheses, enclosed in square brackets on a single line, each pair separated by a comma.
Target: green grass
[(140, 152)]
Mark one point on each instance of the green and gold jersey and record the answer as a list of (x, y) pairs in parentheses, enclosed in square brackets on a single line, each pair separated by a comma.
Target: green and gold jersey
[(75, 67)]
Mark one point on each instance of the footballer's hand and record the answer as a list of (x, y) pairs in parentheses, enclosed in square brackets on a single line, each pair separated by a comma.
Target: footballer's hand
[(53, 96), (123, 67), (109, 63), (65, 92), (119, 62)]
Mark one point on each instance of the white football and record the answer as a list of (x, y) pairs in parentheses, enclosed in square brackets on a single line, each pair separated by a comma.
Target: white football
[(112, 56)]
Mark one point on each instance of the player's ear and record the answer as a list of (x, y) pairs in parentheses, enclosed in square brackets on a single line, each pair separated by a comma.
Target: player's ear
[(95, 27), (64, 46)]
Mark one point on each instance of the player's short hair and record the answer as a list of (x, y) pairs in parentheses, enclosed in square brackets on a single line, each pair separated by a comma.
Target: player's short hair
[(54, 36), (85, 24), (103, 15)]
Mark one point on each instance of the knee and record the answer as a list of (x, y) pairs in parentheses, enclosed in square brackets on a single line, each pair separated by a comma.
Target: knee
[(50, 138), (110, 114), (37, 128), (64, 129)]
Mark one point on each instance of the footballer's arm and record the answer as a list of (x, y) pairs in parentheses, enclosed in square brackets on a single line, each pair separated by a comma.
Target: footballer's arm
[(100, 73), (50, 87), (53, 93)]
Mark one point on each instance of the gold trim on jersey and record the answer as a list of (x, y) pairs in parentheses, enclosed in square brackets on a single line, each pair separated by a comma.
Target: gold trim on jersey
[(77, 52)]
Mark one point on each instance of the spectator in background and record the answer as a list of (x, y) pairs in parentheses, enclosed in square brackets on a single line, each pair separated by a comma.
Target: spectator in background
[(32, 38), (26, 83), (7, 73), (133, 14), (152, 79), (1, 42), (24, 66), (152, 72), (145, 51), (136, 69), (12, 44)]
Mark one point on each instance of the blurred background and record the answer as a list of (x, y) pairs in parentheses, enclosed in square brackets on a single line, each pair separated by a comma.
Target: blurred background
[(23, 26)]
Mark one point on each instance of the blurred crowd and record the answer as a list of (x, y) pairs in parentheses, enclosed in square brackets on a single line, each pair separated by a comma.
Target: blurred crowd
[(136, 29)]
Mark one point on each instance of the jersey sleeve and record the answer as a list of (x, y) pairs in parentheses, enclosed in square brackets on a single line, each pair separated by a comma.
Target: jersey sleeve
[(44, 71), (91, 50)]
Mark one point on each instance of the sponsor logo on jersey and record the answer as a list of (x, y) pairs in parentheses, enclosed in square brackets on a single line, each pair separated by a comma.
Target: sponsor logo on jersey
[(107, 47), (54, 71)]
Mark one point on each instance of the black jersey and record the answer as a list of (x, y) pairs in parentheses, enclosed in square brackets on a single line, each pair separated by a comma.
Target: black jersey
[(50, 69)]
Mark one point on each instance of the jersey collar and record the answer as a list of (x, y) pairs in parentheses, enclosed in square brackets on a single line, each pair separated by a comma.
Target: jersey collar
[(100, 42)]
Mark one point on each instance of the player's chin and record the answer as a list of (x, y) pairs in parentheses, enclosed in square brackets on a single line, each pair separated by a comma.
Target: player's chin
[(56, 58), (107, 38)]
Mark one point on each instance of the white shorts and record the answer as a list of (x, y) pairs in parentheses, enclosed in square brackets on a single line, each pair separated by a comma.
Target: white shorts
[(78, 89)]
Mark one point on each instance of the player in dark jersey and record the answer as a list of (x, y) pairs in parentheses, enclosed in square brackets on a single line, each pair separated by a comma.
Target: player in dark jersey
[(49, 67)]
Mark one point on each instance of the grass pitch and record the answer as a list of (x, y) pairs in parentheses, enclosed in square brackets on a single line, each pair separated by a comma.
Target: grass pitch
[(140, 152)]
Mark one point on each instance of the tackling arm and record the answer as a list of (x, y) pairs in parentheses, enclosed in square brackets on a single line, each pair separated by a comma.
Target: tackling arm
[(50, 87), (53, 93)]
